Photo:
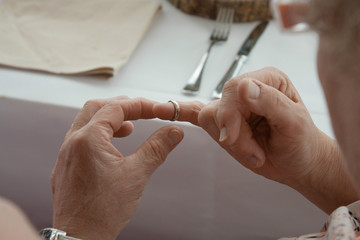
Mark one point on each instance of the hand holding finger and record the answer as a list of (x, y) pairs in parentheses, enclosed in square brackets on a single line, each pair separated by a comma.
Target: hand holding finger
[(243, 146), (188, 111), (207, 119), (233, 99)]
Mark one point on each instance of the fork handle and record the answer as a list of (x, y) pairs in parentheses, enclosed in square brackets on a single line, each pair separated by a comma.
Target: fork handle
[(194, 81), (232, 72), (196, 76)]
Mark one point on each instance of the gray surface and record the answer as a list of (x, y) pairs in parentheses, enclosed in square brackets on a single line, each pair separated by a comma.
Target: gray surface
[(199, 193)]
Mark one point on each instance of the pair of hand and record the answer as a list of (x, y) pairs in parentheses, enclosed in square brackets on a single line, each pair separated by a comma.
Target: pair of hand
[(260, 120)]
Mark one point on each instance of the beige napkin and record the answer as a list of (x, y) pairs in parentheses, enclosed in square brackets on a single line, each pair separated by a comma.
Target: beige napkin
[(72, 36)]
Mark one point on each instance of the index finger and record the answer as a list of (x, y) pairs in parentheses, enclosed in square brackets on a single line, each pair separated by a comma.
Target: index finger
[(188, 112), (89, 110), (113, 114)]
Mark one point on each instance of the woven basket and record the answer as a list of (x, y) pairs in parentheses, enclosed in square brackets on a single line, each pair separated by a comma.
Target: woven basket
[(245, 10)]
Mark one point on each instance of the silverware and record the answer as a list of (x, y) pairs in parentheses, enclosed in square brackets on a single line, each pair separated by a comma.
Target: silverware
[(220, 33), (240, 58)]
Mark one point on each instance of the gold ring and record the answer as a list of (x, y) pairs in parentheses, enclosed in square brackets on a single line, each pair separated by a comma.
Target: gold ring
[(177, 109)]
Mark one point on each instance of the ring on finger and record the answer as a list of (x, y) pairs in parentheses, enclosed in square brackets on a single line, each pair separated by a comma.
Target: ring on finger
[(176, 108)]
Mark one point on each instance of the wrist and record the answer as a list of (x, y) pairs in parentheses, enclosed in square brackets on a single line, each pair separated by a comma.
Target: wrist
[(85, 230), (327, 184), (78, 232)]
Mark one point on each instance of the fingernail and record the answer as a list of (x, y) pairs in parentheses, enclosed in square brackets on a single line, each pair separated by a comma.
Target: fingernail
[(174, 137), (223, 134), (254, 90), (252, 161)]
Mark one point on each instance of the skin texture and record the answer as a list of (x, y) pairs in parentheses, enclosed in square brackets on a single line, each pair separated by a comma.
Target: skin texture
[(341, 85), (96, 189), (262, 122)]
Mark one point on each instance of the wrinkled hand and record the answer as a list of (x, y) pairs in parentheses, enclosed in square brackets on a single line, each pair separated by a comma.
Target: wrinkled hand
[(263, 123), (95, 188)]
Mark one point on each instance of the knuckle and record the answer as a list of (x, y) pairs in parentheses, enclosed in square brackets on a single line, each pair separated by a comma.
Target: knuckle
[(230, 85), (282, 82), (271, 69), (93, 103), (140, 99), (197, 106), (114, 105), (77, 141), (110, 108), (277, 74), (123, 97), (205, 116)]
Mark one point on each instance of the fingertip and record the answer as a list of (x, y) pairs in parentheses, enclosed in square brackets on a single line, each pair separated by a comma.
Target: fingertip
[(175, 135), (153, 152), (259, 157), (249, 89), (251, 159), (253, 90), (259, 162), (223, 135), (253, 162), (228, 121), (227, 138), (125, 130)]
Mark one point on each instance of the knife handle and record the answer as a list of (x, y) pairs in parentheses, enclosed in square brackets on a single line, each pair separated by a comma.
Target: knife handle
[(231, 73)]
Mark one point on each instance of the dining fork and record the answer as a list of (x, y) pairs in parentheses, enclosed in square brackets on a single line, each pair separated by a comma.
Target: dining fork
[(220, 33)]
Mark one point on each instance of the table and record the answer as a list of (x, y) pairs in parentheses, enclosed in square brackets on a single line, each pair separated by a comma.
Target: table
[(200, 192)]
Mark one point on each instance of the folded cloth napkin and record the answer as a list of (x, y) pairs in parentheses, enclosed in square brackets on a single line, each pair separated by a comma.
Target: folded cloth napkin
[(72, 36)]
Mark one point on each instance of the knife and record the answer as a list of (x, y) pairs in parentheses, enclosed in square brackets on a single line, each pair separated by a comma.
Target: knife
[(240, 58)]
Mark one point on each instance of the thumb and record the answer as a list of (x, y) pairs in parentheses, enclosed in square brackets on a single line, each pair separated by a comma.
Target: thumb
[(153, 152), (268, 102)]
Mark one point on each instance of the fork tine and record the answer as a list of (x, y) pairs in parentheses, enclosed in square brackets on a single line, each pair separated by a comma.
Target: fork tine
[(228, 21), (223, 23), (219, 20)]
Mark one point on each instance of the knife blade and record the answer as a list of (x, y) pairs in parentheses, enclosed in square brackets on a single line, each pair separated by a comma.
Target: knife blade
[(240, 58)]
